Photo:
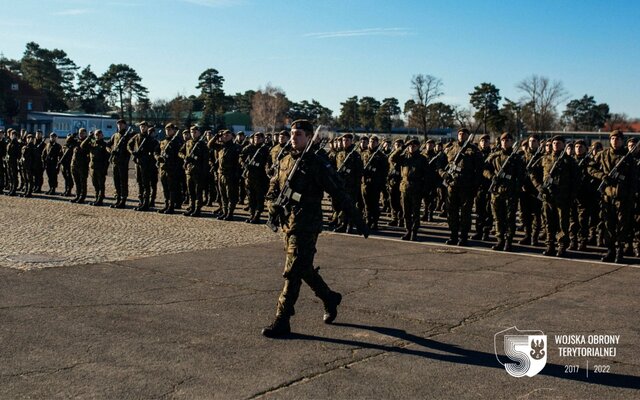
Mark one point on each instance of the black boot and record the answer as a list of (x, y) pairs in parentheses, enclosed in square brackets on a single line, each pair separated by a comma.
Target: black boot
[(464, 242), (453, 240), (477, 236), (550, 250), (609, 256), (526, 240), (619, 257), (574, 244), (331, 307), (414, 235), (406, 236), (498, 246), (508, 244), (280, 327), (562, 251)]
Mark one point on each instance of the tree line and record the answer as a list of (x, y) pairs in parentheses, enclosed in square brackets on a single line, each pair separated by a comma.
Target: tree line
[(119, 90)]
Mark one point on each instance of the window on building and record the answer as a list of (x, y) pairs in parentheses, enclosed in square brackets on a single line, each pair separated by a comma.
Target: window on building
[(14, 87)]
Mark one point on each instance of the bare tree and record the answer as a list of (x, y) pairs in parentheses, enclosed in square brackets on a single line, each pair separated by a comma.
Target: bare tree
[(541, 97), (269, 108), (425, 88)]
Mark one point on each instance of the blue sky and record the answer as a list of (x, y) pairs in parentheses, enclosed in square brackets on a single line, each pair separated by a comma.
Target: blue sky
[(330, 50)]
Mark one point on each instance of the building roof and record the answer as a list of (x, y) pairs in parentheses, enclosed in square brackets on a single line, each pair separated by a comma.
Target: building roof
[(37, 115)]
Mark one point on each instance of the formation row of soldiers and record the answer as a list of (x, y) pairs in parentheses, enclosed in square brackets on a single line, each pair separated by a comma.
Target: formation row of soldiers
[(569, 196)]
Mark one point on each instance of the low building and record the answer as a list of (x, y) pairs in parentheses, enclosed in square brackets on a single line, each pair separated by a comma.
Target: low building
[(64, 124)]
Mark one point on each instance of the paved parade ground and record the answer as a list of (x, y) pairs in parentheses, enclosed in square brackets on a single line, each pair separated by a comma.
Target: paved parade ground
[(102, 303)]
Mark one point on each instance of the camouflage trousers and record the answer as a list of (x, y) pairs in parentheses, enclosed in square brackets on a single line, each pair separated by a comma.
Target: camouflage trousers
[(300, 249), (558, 216), (504, 207), (411, 198), (459, 211), (394, 200), (484, 211), (531, 208), (171, 188), (584, 217), (617, 215), (80, 176), (98, 179), (121, 179), (68, 178), (228, 190), (371, 195), (195, 185), (256, 192), (52, 176)]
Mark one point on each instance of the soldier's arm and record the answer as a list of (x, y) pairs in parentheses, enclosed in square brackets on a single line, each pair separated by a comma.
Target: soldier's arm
[(396, 156), (86, 144), (595, 167), (183, 151), (488, 169)]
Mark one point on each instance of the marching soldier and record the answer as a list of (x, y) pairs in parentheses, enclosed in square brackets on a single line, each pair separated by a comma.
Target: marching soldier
[(95, 145), (280, 149), (393, 187), (586, 207), (80, 168), (557, 189), (196, 163), (3, 153), (483, 197), (50, 157), (120, 160), (530, 204), (462, 184), (255, 158), (505, 171), (619, 177), (304, 223), (375, 170), (144, 149), (349, 164), (38, 166), (415, 171), (29, 160), (64, 163), (228, 160), (170, 168)]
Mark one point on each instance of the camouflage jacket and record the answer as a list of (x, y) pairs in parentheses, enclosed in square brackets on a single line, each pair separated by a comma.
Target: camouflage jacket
[(512, 176), (254, 160), (195, 155), (566, 179), (470, 165), (376, 170), (169, 156), (227, 158), (29, 156), (414, 170), (51, 154), (99, 155), (624, 187), (534, 173), (144, 149), (14, 151), (314, 177), (349, 169), (80, 159), (118, 143)]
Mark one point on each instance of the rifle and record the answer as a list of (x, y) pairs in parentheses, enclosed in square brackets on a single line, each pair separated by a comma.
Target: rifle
[(136, 154), (366, 167), (534, 160), (546, 185), (287, 196), (453, 169), (321, 145), (64, 156), (189, 159), (251, 162), (614, 173), (279, 157), (344, 162), (164, 154), (501, 173), (124, 139), (585, 158)]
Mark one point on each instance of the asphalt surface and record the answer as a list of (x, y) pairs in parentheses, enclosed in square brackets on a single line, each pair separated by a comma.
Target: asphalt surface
[(417, 321)]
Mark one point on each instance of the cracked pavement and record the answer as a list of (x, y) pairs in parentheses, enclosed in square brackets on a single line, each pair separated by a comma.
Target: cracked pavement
[(417, 321)]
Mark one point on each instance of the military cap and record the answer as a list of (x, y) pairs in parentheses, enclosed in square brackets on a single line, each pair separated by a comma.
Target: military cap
[(580, 142), (30, 136), (302, 124), (464, 130), (121, 121), (398, 141), (258, 134), (596, 144), (184, 131), (152, 127), (413, 141), (53, 134), (534, 136), (82, 130), (617, 132), (633, 140), (284, 132), (506, 135), (195, 127), (430, 141), (240, 133), (485, 137), (374, 137), (347, 136), (143, 123), (559, 138), (364, 137), (170, 125)]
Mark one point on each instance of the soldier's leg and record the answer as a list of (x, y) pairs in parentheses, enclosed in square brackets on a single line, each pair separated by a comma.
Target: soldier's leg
[(526, 212), (405, 198), (223, 188), (624, 218), (164, 181), (465, 214), (94, 181), (233, 198), (498, 208), (84, 180), (298, 264), (512, 212), (416, 204), (564, 219), (551, 218), (453, 214)]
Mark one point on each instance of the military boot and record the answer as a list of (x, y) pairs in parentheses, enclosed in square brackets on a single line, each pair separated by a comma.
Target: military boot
[(636, 250), (331, 307), (582, 246), (196, 212), (229, 215), (508, 244), (477, 236), (75, 199), (562, 251), (574, 244), (619, 259), (464, 241), (453, 240), (414, 235), (526, 240), (256, 218), (498, 246), (550, 250), (280, 327), (407, 235), (115, 205), (393, 222), (610, 256), (165, 208)]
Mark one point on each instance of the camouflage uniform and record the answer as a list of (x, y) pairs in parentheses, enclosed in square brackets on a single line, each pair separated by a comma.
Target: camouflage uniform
[(484, 212), (14, 151), (144, 149), (461, 190), (618, 198), (196, 164), (254, 161), (50, 157), (98, 165), (120, 157), (557, 199), (229, 174), (350, 170), (65, 163), (586, 208), (505, 193), (3, 153), (80, 172), (170, 168), (373, 181), (415, 172), (530, 204), (29, 160)]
